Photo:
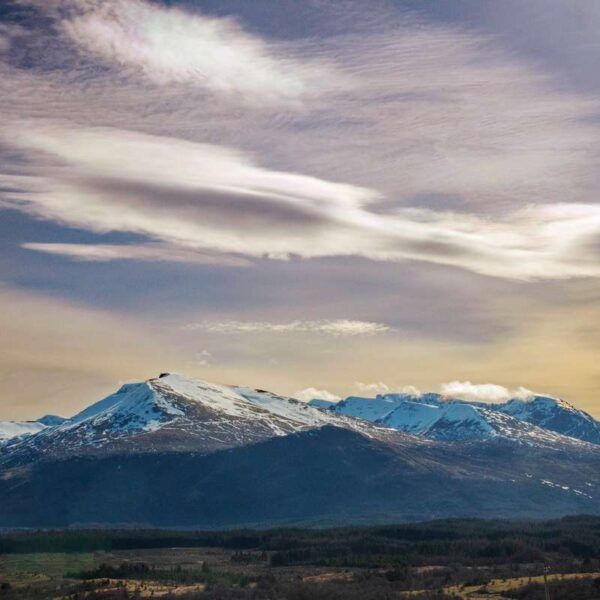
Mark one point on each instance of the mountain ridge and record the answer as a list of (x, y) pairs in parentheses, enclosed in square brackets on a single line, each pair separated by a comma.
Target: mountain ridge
[(176, 451), (175, 413), (418, 415)]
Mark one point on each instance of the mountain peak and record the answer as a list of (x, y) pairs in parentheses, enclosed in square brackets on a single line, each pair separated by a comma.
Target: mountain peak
[(554, 414), (173, 412)]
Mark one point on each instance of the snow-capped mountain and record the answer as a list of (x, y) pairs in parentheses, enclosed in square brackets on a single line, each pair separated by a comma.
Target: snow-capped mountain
[(460, 421), (370, 409), (555, 415), (10, 430), (433, 416), (172, 412), (375, 409), (177, 451)]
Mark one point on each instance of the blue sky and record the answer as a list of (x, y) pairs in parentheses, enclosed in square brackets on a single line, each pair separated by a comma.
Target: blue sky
[(293, 195)]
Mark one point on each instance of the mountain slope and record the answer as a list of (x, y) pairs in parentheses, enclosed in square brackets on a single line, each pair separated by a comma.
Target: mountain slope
[(325, 475)]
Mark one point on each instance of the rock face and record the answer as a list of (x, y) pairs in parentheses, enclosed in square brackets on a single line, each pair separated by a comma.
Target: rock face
[(175, 451)]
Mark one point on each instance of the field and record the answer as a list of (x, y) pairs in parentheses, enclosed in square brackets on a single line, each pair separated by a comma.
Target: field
[(472, 560)]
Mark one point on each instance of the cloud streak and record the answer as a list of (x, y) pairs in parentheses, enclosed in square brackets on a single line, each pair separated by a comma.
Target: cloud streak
[(335, 328), (144, 252)]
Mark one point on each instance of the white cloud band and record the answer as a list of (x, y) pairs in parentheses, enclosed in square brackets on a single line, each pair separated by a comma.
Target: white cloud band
[(336, 328)]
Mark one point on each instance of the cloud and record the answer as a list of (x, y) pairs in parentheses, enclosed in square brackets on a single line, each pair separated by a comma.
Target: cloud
[(382, 388), (483, 392), (9, 32), (145, 252), (203, 358), (312, 393), (336, 328), (453, 117), (214, 199), (169, 45), (373, 388)]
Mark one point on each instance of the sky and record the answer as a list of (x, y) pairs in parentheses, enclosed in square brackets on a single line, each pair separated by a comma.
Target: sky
[(320, 198)]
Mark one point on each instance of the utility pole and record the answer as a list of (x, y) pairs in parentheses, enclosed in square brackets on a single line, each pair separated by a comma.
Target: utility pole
[(547, 590)]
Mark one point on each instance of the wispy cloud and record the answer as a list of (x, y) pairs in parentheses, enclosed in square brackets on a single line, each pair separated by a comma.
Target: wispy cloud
[(170, 45), (215, 199), (380, 387), (339, 327), (146, 252)]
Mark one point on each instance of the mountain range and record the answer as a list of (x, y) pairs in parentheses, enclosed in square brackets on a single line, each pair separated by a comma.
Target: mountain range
[(435, 416), (176, 451)]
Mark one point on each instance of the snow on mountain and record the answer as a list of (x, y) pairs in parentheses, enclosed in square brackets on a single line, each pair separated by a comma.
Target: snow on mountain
[(172, 412), (412, 417), (177, 413), (460, 421), (375, 409), (370, 409), (556, 415), (433, 416)]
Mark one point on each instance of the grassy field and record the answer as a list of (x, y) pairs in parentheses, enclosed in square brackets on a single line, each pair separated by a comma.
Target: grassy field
[(49, 575), (24, 568), (496, 588)]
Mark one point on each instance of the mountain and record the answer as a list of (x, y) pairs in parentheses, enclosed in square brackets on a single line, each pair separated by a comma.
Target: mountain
[(460, 421), (322, 476), (173, 413), (434, 416), (181, 452), (51, 420)]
